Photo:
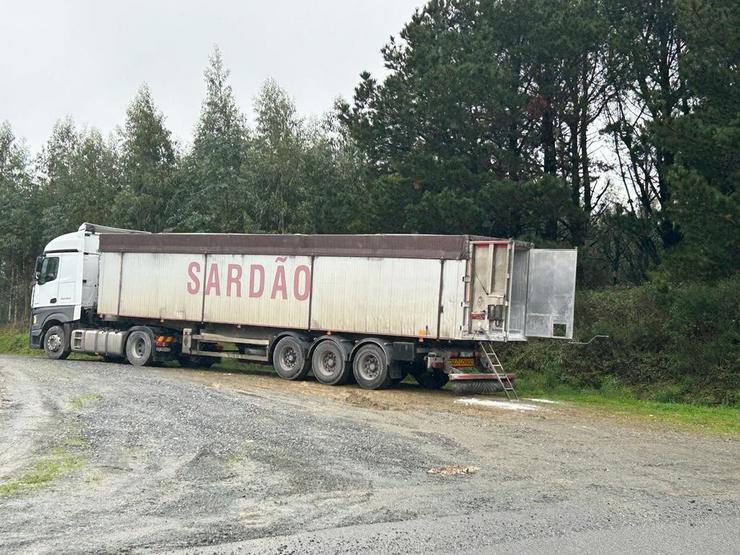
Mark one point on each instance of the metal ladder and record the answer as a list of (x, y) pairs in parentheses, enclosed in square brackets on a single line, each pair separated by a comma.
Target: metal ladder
[(492, 363)]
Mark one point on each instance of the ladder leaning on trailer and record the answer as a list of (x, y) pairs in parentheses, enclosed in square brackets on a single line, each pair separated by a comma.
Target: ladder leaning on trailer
[(492, 379), (493, 364)]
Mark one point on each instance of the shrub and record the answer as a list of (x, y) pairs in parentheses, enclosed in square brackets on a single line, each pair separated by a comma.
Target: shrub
[(665, 343)]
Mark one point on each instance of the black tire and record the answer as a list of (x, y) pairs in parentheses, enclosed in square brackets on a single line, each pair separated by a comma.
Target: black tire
[(56, 343), (370, 367), (289, 359), (140, 347), (196, 361), (328, 364)]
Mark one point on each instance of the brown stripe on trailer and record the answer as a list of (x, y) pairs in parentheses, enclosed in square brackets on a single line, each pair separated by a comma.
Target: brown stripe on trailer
[(454, 247)]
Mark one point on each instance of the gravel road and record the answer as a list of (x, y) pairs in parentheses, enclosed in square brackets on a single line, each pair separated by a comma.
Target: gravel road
[(167, 459)]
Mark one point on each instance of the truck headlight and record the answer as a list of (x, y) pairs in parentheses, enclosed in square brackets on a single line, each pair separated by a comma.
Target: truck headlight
[(35, 319)]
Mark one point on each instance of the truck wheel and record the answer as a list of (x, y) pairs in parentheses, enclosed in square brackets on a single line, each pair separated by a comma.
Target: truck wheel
[(328, 364), (140, 347), (56, 343), (370, 367), (289, 359)]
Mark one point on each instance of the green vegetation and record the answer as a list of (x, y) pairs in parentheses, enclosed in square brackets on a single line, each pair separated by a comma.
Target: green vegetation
[(666, 343), (79, 402), (613, 399), (14, 341), (58, 464)]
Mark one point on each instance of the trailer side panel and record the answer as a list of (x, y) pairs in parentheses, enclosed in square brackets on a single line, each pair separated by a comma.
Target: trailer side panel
[(155, 285), (385, 296), (258, 290)]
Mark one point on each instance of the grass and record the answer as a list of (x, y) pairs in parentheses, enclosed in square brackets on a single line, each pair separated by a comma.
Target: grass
[(616, 399), (721, 419), (79, 402), (14, 341), (59, 463)]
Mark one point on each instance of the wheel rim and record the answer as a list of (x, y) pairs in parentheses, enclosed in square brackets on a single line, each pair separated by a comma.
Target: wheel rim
[(369, 366), (54, 342), (289, 358), (328, 363), (139, 347)]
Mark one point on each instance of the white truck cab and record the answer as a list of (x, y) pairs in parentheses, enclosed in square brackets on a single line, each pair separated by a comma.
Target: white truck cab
[(66, 284)]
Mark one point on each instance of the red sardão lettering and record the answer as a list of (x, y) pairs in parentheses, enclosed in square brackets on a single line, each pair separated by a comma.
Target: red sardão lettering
[(253, 280)]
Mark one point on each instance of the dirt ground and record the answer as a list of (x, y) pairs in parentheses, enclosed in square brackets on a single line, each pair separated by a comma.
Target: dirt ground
[(101, 457)]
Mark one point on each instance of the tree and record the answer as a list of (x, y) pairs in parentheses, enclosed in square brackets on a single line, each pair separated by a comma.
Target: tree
[(706, 176), (336, 180), (77, 171), (277, 189), (148, 163), (478, 94), (20, 229), (647, 46), (212, 195)]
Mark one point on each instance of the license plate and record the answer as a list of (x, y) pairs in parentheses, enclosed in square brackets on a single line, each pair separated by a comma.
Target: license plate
[(460, 362)]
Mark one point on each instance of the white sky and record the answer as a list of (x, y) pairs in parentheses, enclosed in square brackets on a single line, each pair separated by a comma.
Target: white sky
[(86, 59)]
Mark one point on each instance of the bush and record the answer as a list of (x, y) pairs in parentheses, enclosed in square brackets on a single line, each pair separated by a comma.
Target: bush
[(665, 343), (14, 341)]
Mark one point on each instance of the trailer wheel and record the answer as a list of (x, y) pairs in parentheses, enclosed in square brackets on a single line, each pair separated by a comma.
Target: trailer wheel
[(56, 343), (328, 364), (289, 359), (140, 347), (370, 367)]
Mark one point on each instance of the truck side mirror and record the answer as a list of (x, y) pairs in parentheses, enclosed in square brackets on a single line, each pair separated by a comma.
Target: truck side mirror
[(38, 269)]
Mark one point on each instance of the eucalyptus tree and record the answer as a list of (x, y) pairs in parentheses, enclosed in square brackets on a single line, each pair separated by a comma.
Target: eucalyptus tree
[(77, 172), (211, 193), (20, 228), (148, 162)]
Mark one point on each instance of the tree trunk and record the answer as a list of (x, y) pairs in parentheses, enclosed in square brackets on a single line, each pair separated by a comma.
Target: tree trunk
[(548, 138), (587, 193), (575, 170)]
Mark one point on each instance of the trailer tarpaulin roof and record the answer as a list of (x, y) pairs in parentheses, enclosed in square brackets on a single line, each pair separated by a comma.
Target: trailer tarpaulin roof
[(455, 247)]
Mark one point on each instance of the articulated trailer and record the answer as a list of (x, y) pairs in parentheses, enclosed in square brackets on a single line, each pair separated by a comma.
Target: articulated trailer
[(368, 308)]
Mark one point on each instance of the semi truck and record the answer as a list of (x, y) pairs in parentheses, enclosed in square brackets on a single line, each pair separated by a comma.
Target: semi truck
[(365, 308)]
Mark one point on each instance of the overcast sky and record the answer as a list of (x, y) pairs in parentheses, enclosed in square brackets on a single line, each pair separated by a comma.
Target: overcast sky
[(86, 59)]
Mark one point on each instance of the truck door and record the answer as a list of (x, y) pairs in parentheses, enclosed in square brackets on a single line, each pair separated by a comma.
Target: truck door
[(56, 280), (551, 289), (69, 263), (46, 291), (490, 284)]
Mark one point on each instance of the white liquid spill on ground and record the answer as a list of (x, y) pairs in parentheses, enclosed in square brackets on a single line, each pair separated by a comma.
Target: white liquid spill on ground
[(546, 401), (508, 405)]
